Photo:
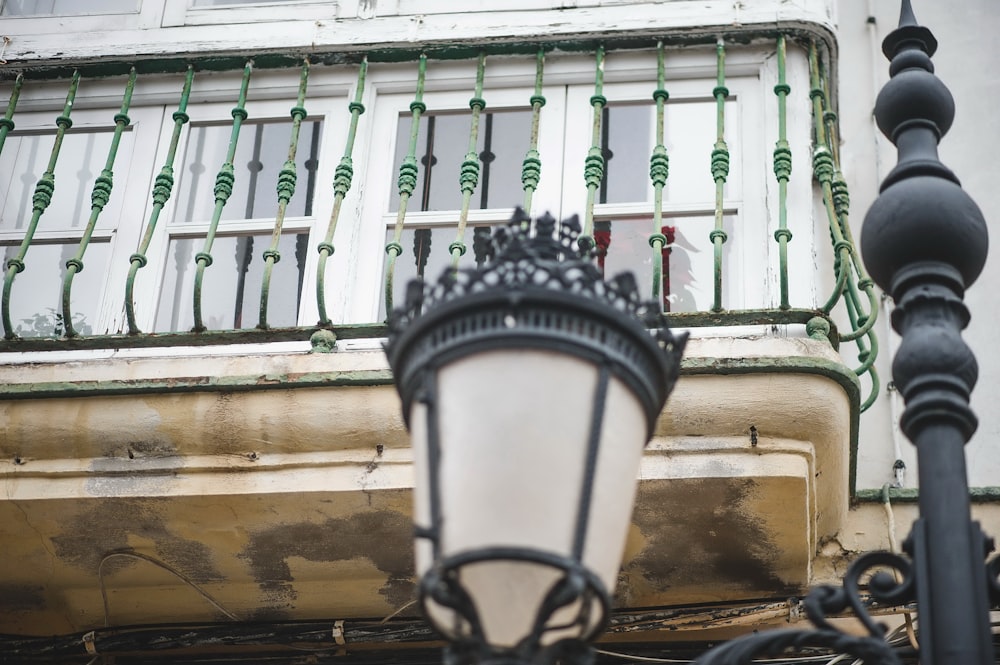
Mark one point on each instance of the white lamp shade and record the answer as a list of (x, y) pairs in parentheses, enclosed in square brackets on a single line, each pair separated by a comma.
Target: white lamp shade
[(514, 430)]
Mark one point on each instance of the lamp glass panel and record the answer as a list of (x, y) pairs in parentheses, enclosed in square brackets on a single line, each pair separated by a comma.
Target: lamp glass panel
[(514, 430)]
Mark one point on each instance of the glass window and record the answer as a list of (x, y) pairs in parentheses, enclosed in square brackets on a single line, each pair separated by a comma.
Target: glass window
[(260, 155), (442, 143), (231, 293), (36, 294), (67, 7)]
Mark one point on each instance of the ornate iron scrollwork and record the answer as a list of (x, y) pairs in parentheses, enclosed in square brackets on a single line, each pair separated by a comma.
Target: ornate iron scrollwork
[(824, 601)]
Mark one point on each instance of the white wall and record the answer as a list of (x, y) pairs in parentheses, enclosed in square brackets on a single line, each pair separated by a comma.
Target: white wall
[(965, 62)]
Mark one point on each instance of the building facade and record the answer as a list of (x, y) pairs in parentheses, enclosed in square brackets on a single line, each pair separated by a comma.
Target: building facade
[(208, 208)]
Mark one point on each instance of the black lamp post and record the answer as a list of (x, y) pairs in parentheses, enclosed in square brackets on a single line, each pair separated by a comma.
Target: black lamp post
[(532, 584)]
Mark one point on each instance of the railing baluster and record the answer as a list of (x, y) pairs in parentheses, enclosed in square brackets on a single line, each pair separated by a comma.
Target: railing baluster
[(407, 182), (341, 184), (287, 178), (40, 201), (162, 188), (782, 171), (659, 170), (593, 169), (836, 201), (531, 167), (720, 171), (223, 190), (98, 199), (468, 177), (7, 122)]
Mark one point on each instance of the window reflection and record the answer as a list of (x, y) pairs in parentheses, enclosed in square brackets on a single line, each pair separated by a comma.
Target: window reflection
[(23, 161), (688, 271), (425, 254), (259, 157), (442, 143), (231, 286), (626, 142), (36, 300)]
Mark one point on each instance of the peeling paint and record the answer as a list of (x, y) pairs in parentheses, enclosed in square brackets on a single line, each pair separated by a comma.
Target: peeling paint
[(703, 532), (380, 536), (114, 524)]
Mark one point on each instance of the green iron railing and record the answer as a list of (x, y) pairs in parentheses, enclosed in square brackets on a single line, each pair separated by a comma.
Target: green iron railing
[(852, 296)]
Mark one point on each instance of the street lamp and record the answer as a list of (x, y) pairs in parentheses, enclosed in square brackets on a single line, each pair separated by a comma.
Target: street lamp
[(531, 386)]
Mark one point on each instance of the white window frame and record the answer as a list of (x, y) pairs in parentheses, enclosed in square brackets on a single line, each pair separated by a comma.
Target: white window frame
[(330, 108), (184, 12), (148, 15), (750, 275), (131, 183)]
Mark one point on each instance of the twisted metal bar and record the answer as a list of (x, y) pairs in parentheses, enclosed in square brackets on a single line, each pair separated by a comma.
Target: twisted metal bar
[(720, 171), (7, 122), (468, 177), (531, 167), (593, 169), (407, 181), (287, 178), (659, 170), (341, 184), (223, 190), (98, 199), (836, 202), (162, 188), (40, 202), (782, 171)]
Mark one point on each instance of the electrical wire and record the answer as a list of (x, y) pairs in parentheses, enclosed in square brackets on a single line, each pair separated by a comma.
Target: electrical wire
[(894, 548), (160, 564)]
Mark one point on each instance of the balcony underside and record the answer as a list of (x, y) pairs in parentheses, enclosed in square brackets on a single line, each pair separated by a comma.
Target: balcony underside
[(280, 486)]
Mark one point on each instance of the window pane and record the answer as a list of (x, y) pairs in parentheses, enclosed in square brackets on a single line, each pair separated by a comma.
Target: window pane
[(81, 158), (690, 132), (425, 254), (688, 269), (442, 143), (627, 141), (36, 296), (260, 154), (68, 7), (226, 3), (231, 286)]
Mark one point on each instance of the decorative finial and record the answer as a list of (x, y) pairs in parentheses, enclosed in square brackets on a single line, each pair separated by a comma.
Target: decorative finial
[(909, 33)]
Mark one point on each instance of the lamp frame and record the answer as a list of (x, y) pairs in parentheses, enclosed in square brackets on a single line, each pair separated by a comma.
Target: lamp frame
[(539, 291)]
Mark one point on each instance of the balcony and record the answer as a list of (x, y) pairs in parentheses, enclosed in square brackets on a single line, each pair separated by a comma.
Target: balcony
[(195, 401)]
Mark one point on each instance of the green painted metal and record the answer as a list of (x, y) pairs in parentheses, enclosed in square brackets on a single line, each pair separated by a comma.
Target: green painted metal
[(287, 178), (162, 188), (342, 178), (223, 190), (531, 167), (720, 171), (659, 170), (593, 168), (846, 260), (407, 182), (782, 171), (7, 121), (468, 177), (98, 199), (40, 200), (986, 494)]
